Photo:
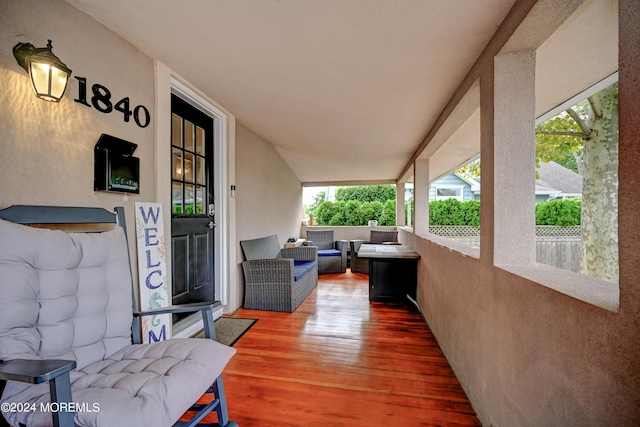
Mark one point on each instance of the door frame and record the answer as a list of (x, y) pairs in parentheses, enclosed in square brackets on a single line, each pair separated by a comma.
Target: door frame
[(220, 186), (226, 273)]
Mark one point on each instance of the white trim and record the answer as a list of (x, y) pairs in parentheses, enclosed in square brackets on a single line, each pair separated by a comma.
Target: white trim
[(220, 187), (193, 324), (449, 187)]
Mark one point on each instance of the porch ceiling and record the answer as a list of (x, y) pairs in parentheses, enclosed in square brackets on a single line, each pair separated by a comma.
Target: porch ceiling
[(346, 90)]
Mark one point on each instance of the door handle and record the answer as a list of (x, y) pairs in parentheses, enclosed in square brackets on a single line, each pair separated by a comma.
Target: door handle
[(211, 224)]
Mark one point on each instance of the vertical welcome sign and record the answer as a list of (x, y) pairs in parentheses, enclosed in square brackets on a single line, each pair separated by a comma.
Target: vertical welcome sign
[(152, 267)]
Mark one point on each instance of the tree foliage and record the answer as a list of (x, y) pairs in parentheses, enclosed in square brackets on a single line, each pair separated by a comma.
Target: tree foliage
[(366, 193), (325, 212), (355, 213), (372, 211), (584, 138), (317, 200), (388, 216)]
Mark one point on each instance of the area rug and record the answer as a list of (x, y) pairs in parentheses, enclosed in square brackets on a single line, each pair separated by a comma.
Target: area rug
[(230, 329)]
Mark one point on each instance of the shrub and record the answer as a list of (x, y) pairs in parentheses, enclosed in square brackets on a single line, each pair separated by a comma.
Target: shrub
[(325, 212), (353, 213), (371, 211), (471, 212), (454, 212), (559, 212), (388, 216)]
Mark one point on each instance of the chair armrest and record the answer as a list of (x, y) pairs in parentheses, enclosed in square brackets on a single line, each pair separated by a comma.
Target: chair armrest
[(204, 307), (262, 271), (53, 371), (34, 371), (301, 253), (182, 308), (355, 245), (342, 245)]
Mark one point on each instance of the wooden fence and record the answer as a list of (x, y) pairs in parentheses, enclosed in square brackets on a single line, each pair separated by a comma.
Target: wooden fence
[(555, 246)]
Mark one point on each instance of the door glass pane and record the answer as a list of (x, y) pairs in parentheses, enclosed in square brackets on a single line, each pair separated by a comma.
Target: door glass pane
[(189, 135), (200, 141), (176, 164), (200, 200), (189, 166), (176, 202), (176, 130), (189, 199), (200, 170)]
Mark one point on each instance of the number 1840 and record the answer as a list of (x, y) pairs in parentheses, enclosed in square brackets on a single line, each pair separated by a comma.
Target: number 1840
[(101, 101)]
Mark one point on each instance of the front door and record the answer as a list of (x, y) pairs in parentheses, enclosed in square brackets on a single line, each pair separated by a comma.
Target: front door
[(192, 210)]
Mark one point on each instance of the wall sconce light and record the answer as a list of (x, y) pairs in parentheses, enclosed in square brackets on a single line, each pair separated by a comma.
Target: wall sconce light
[(48, 74)]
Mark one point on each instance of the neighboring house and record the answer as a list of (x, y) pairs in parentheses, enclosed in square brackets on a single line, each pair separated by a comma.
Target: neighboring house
[(557, 182), (455, 186), (554, 182)]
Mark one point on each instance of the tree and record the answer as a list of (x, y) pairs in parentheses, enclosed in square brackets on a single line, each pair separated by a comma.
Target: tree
[(366, 193), (317, 199), (589, 133)]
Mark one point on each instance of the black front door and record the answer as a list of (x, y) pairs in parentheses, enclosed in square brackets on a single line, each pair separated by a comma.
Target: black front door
[(192, 210)]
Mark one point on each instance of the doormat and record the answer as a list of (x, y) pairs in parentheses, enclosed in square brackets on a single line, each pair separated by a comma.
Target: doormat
[(230, 329)]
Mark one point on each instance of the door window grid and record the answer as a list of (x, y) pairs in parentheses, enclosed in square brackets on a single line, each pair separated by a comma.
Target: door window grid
[(188, 167)]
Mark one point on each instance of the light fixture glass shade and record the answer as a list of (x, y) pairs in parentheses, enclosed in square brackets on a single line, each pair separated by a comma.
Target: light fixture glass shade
[(49, 82), (48, 74)]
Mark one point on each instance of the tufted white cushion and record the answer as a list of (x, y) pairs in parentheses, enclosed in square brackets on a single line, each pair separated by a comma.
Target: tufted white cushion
[(68, 296)]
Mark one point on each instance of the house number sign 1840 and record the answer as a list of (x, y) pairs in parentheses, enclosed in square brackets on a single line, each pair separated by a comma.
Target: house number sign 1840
[(101, 101)]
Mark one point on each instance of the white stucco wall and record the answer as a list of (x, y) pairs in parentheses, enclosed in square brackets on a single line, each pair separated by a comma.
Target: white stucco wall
[(47, 149), (268, 196)]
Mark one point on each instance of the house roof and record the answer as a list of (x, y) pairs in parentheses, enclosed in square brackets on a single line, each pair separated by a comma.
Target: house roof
[(558, 179)]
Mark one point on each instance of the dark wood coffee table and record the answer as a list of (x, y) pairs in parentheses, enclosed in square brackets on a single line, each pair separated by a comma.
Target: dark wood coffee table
[(393, 272)]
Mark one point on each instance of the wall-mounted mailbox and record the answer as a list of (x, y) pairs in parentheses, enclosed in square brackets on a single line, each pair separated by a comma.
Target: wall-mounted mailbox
[(115, 167)]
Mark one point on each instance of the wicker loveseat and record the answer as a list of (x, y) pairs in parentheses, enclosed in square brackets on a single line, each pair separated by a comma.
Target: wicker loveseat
[(277, 279)]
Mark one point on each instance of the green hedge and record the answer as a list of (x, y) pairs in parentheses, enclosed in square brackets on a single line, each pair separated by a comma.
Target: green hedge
[(354, 212), (441, 212), (454, 212), (559, 212), (366, 193)]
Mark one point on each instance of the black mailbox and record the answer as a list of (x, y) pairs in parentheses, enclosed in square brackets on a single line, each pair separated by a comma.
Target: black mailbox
[(115, 167)]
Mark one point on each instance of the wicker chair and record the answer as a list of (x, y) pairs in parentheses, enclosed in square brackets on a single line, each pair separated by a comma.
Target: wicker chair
[(277, 279), (361, 265), (332, 255)]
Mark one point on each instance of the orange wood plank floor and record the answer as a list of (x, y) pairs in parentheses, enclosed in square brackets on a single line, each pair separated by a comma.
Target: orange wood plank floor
[(339, 360)]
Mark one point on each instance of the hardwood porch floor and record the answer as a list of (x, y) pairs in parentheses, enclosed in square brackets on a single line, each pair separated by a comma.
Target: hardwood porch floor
[(340, 361)]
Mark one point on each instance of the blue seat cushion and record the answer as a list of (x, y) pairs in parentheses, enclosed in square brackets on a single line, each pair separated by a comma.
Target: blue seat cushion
[(329, 252), (300, 268)]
